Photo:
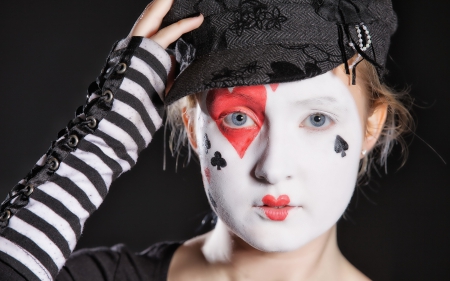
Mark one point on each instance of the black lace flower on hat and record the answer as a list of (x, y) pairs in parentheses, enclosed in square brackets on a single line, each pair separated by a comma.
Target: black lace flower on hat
[(254, 14), (343, 11)]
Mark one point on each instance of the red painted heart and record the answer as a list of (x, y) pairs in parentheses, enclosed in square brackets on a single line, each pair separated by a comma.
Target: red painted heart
[(221, 102), (274, 87)]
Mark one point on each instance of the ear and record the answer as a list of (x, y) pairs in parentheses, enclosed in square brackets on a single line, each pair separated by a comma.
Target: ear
[(190, 130), (374, 125)]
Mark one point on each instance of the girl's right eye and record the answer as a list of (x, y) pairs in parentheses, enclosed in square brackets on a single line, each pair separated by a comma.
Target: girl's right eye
[(238, 120)]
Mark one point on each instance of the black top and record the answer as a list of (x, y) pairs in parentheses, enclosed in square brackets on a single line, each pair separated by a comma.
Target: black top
[(119, 263)]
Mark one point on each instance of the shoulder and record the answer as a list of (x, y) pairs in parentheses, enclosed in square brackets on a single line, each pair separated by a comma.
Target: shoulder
[(119, 263), (161, 251)]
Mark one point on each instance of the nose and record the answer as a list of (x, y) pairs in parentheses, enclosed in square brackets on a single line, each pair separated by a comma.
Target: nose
[(275, 164)]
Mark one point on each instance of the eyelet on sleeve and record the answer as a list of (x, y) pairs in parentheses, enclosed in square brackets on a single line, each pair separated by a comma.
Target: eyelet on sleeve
[(121, 68), (72, 141), (5, 216), (28, 190), (92, 122), (54, 163), (108, 95)]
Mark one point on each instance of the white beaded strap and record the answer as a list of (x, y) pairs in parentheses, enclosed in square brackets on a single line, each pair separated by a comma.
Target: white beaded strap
[(361, 44)]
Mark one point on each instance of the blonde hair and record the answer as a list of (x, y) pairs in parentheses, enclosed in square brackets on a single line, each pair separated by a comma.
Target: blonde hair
[(398, 120)]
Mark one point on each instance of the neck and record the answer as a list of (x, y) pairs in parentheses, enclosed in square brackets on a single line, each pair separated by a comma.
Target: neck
[(319, 259)]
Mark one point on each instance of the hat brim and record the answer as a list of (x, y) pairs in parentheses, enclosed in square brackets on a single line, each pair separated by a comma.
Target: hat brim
[(256, 65)]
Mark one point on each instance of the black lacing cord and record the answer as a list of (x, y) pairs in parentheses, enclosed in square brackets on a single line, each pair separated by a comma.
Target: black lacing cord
[(16, 199), (19, 196), (83, 124)]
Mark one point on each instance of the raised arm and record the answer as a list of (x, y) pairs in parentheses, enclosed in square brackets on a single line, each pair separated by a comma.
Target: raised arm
[(43, 216)]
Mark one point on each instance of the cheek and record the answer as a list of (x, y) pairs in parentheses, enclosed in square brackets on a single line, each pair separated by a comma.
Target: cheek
[(217, 156), (208, 175), (332, 172), (227, 186), (240, 139)]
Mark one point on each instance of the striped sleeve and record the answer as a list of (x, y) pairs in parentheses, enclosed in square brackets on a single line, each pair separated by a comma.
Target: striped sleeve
[(43, 216)]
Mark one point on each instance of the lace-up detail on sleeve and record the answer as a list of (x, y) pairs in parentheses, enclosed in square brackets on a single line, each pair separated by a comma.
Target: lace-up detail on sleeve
[(43, 216)]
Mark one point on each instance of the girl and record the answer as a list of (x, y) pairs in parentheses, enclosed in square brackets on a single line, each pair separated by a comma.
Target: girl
[(280, 156)]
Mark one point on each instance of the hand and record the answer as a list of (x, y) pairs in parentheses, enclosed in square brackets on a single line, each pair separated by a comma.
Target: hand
[(149, 23)]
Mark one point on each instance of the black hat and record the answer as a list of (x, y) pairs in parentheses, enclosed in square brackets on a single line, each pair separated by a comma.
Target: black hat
[(249, 42)]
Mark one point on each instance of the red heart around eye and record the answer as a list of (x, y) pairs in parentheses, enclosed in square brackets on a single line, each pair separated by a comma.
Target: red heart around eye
[(222, 101)]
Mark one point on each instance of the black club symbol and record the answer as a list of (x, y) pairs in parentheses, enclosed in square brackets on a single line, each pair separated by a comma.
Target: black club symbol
[(340, 145), (218, 161), (206, 143)]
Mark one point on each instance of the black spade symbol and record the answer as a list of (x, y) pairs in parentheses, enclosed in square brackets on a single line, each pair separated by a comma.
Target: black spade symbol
[(340, 145), (206, 143)]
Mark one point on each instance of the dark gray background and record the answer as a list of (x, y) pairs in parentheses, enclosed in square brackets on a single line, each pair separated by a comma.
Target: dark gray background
[(51, 50)]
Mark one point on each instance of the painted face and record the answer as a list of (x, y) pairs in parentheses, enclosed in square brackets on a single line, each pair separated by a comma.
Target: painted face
[(281, 160)]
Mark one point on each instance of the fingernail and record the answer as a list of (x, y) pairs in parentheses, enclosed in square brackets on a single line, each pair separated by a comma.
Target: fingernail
[(194, 15)]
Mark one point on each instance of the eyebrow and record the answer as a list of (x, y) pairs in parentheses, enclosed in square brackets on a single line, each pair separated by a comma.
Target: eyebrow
[(318, 100)]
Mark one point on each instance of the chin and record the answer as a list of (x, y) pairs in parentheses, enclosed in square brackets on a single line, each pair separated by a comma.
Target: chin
[(274, 246), (287, 243), (277, 238)]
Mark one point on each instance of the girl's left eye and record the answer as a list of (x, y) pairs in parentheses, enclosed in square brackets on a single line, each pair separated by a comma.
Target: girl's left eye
[(318, 121), (238, 120)]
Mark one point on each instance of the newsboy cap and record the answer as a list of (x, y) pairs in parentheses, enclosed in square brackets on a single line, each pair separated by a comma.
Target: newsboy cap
[(249, 42)]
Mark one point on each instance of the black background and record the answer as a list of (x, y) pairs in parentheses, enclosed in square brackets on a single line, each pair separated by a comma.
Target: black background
[(51, 50)]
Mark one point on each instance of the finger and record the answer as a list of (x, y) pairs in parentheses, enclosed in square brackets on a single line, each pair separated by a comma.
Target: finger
[(150, 20), (171, 33)]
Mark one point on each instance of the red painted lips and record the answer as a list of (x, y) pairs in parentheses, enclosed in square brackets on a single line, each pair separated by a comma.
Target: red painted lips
[(270, 201), (276, 209)]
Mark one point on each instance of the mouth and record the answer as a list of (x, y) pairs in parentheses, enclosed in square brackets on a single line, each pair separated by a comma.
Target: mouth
[(276, 209)]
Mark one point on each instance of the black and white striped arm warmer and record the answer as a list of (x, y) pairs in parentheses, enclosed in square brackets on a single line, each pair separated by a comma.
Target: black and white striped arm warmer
[(43, 216)]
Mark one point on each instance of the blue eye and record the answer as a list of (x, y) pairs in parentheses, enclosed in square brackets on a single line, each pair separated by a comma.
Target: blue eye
[(317, 120), (238, 118)]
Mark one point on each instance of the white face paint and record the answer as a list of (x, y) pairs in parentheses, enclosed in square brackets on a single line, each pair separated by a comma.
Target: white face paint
[(283, 144)]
